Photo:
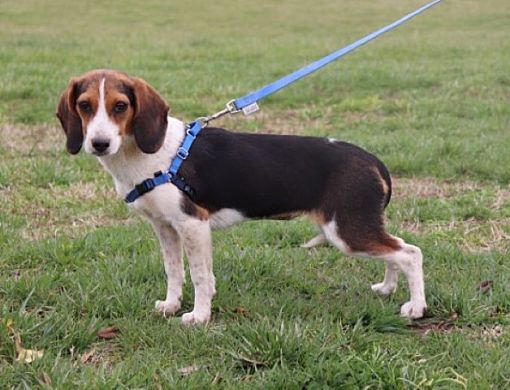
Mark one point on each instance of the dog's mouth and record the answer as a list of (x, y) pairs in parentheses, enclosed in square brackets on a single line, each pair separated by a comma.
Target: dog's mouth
[(100, 154)]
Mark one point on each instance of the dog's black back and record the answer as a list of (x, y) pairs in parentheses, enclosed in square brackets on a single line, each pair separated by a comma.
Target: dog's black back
[(266, 176)]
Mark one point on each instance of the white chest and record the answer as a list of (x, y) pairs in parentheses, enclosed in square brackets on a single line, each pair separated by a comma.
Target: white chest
[(129, 166)]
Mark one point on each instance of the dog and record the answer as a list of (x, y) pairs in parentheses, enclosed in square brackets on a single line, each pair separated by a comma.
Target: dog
[(343, 189)]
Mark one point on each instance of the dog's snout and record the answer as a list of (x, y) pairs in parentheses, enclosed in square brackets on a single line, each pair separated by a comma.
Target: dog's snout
[(100, 144)]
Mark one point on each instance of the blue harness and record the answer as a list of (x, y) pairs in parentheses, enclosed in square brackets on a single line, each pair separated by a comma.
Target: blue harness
[(170, 176), (248, 104)]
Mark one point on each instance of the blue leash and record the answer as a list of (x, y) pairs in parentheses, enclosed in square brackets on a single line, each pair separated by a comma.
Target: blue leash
[(253, 97), (248, 104)]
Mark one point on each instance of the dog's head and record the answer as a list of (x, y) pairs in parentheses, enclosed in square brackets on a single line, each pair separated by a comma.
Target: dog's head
[(101, 108)]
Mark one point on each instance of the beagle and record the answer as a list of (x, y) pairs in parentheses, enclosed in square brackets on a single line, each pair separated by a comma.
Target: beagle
[(235, 176)]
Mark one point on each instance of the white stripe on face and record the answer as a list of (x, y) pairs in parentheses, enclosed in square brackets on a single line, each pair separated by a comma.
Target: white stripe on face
[(101, 129)]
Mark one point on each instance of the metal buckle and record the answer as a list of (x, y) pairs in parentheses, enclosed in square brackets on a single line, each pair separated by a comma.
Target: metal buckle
[(231, 107), (188, 130), (182, 153)]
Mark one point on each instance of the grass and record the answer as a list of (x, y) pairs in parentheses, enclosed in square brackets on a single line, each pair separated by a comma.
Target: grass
[(429, 98)]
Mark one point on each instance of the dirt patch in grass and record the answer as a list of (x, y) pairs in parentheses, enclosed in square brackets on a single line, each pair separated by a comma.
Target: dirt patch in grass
[(84, 191), (471, 235), (26, 139), (100, 354), (428, 187), (69, 227), (45, 221), (433, 325), (488, 333)]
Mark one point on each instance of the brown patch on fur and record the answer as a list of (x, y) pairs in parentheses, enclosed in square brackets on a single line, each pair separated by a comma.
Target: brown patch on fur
[(91, 95), (378, 245), (383, 246), (318, 217), (113, 96), (381, 180), (194, 210), (361, 237)]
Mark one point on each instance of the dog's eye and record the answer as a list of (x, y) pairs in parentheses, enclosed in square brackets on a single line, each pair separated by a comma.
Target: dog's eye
[(120, 107), (85, 106)]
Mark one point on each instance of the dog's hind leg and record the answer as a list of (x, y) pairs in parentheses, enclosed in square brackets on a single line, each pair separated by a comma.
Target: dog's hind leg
[(171, 249), (409, 259), (389, 285), (368, 239), (317, 240)]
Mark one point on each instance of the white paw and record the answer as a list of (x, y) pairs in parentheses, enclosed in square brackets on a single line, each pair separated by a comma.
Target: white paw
[(413, 310), (383, 289), (194, 318), (168, 307)]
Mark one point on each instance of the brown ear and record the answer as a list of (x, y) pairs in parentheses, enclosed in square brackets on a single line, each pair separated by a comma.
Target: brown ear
[(150, 119), (69, 118)]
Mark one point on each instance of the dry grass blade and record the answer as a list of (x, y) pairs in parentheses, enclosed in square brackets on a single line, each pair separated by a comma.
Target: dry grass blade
[(22, 355), (248, 362), (88, 356)]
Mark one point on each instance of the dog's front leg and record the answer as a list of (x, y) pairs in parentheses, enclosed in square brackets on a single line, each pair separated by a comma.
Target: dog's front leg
[(196, 235), (171, 248)]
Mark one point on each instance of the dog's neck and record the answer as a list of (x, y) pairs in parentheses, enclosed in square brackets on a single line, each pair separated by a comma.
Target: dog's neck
[(130, 166)]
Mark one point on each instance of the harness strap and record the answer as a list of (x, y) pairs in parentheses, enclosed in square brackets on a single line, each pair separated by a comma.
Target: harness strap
[(171, 175)]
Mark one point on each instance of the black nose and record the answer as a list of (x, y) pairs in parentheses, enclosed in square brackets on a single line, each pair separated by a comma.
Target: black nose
[(100, 144)]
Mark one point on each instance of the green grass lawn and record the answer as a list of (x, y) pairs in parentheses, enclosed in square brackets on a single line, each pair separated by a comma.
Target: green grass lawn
[(430, 99)]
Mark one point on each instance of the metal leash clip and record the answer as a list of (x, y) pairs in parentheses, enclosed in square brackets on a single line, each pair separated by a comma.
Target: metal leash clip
[(230, 108)]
